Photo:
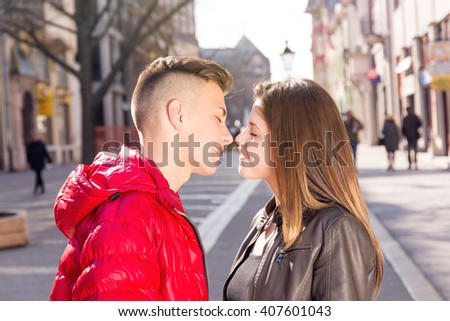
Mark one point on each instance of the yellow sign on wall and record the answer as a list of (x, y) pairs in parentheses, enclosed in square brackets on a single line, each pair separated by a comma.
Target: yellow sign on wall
[(63, 96), (440, 82), (44, 96)]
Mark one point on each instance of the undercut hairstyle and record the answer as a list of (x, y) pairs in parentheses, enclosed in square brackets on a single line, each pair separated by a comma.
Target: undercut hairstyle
[(155, 82)]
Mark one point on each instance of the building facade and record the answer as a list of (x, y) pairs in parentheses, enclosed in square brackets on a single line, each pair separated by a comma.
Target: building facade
[(342, 59), (37, 94), (396, 54)]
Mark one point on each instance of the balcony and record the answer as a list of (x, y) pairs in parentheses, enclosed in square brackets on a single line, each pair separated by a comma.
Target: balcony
[(370, 37)]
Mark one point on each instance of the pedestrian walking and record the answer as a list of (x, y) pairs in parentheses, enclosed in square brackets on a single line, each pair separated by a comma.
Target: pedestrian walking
[(129, 236), (391, 134), (410, 129), (313, 239), (353, 126), (37, 156)]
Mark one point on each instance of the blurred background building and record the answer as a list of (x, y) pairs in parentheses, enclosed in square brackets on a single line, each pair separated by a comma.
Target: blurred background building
[(378, 57), (38, 95)]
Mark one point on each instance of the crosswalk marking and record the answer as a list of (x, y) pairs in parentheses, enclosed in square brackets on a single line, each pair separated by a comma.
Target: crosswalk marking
[(26, 270), (214, 224)]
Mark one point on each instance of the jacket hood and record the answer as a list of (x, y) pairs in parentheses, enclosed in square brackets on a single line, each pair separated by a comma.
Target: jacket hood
[(88, 186)]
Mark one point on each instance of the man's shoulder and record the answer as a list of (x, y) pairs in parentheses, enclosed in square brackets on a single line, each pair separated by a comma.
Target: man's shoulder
[(140, 199), (134, 206)]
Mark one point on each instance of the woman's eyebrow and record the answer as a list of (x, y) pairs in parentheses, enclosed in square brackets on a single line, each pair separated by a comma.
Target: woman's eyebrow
[(253, 124)]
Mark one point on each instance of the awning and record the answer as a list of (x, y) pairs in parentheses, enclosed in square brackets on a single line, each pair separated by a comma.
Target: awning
[(403, 65)]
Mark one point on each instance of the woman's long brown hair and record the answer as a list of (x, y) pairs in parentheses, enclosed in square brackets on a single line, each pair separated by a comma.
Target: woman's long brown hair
[(313, 154)]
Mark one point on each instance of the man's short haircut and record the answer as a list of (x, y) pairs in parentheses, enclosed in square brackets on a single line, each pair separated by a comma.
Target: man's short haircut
[(152, 80)]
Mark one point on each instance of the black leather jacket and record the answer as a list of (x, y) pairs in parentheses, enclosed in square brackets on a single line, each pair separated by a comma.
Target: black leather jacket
[(333, 259)]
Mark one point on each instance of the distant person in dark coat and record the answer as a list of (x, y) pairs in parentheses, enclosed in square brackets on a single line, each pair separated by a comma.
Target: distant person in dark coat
[(353, 126), (37, 154), (410, 129), (391, 134)]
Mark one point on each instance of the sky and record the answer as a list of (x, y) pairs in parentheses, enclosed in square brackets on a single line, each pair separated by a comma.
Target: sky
[(268, 24)]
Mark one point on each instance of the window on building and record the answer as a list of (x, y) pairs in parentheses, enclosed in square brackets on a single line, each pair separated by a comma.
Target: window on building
[(407, 53), (41, 66), (438, 32), (62, 73)]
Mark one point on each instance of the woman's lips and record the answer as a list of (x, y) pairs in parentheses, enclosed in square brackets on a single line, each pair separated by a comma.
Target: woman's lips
[(243, 154)]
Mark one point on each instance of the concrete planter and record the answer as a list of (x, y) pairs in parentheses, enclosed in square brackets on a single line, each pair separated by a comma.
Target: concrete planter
[(13, 228)]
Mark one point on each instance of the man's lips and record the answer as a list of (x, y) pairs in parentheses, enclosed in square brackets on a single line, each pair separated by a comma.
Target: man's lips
[(219, 151)]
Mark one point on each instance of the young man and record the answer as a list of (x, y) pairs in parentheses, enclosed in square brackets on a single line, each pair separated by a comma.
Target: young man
[(410, 129), (130, 238), (37, 155)]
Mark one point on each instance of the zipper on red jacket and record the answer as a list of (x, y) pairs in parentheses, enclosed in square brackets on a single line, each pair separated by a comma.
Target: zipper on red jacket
[(199, 240)]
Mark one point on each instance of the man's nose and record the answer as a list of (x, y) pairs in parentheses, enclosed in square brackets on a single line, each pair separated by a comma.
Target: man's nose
[(227, 137)]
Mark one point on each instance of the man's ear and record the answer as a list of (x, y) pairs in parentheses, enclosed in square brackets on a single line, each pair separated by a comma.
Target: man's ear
[(175, 113)]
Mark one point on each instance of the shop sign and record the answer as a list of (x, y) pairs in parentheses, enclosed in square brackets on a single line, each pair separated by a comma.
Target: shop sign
[(440, 58), (63, 96), (44, 97), (440, 82), (372, 74)]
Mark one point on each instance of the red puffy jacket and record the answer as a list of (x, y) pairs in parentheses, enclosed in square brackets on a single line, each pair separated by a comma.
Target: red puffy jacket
[(129, 236)]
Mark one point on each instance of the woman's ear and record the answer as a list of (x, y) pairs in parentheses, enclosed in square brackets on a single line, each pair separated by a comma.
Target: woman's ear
[(175, 111)]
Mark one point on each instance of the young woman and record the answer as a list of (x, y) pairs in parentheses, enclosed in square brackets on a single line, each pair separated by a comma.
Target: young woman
[(391, 134), (313, 239)]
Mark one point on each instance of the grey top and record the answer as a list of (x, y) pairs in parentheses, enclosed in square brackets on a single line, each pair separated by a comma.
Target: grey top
[(241, 284)]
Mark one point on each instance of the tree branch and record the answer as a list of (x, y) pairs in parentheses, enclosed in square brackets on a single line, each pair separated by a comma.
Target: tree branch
[(60, 8), (131, 45), (161, 22), (100, 15), (96, 39), (34, 18), (36, 43)]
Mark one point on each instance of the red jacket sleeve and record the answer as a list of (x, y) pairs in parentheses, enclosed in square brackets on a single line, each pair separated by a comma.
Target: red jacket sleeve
[(118, 258)]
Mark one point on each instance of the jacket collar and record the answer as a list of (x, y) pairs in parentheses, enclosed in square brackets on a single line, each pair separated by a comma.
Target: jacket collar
[(163, 190), (272, 213)]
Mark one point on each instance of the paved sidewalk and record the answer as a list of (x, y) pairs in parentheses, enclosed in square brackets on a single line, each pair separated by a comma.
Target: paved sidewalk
[(412, 211)]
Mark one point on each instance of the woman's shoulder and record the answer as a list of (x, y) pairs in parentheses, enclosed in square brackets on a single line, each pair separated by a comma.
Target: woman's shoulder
[(335, 222), (327, 217)]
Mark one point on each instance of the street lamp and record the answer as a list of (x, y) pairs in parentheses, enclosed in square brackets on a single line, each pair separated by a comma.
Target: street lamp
[(288, 59)]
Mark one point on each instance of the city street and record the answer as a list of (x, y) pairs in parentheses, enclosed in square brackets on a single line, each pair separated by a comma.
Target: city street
[(409, 211)]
